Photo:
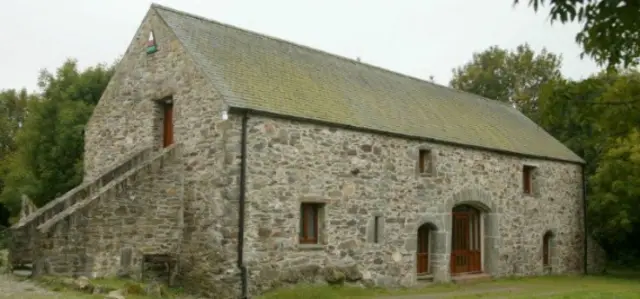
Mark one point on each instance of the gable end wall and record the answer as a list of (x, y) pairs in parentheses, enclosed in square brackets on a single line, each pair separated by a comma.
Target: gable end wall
[(126, 120)]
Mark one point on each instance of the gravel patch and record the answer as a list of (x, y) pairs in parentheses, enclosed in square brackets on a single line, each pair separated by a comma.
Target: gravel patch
[(10, 287)]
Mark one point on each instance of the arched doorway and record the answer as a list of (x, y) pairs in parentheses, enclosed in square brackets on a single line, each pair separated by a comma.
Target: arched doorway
[(466, 240), (425, 245)]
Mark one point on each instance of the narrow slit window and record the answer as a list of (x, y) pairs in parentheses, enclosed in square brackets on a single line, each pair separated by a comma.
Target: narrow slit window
[(425, 163), (376, 229)]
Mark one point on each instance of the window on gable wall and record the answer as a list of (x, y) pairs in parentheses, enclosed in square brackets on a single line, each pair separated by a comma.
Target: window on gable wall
[(309, 228), (425, 161), (527, 179)]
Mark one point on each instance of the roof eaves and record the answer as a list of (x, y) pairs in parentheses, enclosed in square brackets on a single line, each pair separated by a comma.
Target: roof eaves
[(235, 108), (234, 104)]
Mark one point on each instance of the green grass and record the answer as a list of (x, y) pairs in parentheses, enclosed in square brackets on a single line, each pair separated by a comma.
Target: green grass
[(620, 285), (135, 290)]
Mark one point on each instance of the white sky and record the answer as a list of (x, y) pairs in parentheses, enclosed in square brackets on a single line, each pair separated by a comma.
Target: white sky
[(415, 37)]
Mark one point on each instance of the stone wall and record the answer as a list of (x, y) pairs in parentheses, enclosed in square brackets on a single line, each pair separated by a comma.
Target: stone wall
[(127, 118), (358, 176), (139, 214)]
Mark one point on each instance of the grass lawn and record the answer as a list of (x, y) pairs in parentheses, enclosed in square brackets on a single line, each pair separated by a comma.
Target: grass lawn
[(621, 286), (618, 285)]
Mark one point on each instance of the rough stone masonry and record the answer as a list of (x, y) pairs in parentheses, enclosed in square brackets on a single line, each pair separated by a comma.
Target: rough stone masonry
[(292, 162), (373, 199)]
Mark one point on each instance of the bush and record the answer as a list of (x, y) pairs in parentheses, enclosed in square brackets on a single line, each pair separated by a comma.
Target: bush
[(4, 237), (4, 261)]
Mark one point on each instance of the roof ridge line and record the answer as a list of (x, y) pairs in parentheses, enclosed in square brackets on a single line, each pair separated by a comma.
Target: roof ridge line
[(277, 39), (188, 53)]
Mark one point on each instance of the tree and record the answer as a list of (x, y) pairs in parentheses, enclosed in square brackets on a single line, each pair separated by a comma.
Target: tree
[(598, 119), (611, 28), (47, 161), (508, 76), (12, 112)]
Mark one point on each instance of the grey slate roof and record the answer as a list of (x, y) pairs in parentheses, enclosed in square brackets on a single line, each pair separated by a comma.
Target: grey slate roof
[(266, 74)]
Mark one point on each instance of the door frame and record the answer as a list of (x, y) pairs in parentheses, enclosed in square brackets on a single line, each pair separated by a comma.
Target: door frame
[(474, 231), (425, 229)]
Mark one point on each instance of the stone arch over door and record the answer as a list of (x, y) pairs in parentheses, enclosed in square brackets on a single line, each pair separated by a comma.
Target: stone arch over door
[(489, 220)]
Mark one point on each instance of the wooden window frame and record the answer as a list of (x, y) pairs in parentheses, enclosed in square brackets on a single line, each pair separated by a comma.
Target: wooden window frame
[(527, 179), (309, 210), (425, 161), (167, 124)]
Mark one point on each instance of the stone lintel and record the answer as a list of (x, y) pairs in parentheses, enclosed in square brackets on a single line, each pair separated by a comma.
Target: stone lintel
[(314, 199)]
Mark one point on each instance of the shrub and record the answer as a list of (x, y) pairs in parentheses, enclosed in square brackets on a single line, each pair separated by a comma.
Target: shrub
[(4, 237)]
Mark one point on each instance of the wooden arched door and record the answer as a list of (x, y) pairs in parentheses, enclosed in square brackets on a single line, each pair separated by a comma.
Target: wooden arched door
[(466, 236)]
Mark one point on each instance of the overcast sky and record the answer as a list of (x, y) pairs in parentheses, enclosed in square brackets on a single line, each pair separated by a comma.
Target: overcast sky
[(415, 37)]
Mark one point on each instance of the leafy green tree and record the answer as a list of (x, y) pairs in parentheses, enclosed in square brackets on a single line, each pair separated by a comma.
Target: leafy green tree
[(570, 111), (611, 28), (12, 112), (509, 76), (615, 201), (598, 119), (48, 159)]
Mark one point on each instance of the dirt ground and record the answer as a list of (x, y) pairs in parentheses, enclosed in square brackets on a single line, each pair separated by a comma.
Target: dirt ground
[(13, 288)]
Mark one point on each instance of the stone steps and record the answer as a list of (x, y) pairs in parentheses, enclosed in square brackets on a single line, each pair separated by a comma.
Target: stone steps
[(26, 234), (24, 270), (425, 277), (470, 278)]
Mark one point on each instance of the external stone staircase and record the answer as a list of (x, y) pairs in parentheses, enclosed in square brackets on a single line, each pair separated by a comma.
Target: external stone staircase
[(33, 237)]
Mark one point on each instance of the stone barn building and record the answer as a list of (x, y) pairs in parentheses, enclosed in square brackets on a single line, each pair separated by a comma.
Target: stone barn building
[(240, 162)]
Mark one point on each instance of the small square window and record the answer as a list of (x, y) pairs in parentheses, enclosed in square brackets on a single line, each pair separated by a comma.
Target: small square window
[(309, 224), (527, 179), (425, 162)]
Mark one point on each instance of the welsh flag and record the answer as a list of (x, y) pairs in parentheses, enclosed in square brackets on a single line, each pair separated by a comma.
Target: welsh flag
[(151, 44)]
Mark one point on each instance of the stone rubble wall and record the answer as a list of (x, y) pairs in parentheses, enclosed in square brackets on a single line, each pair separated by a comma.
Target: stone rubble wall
[(140, 214), (24, 234), (128, 117), (292, 162)]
